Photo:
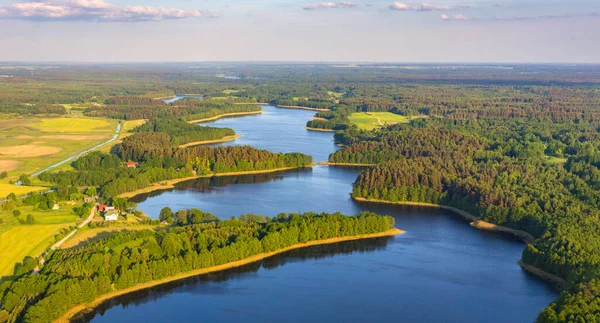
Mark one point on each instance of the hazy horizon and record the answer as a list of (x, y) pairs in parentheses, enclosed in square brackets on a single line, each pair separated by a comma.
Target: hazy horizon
[(437, 31)]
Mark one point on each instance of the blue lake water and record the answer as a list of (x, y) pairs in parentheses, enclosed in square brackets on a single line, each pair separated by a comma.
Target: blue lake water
[(441, 270)]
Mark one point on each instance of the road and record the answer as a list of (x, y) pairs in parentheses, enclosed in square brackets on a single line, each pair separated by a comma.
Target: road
[(67, 237)]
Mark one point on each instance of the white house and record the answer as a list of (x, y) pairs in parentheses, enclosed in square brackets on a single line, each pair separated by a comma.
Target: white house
[(111, 216), (55, 207)]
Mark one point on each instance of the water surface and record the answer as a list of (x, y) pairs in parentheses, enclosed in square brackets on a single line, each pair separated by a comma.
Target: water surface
[(441, 270)]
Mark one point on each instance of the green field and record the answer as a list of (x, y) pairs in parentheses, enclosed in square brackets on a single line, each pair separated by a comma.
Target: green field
[(19, 240), (374, 120)]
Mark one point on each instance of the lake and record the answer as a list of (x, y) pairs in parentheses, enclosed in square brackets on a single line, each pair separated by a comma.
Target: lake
[(441, 270)]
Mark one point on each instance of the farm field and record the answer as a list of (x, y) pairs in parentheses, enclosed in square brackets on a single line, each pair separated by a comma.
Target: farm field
[(87, 235), (373, 120), (31, 144), (20, 240)]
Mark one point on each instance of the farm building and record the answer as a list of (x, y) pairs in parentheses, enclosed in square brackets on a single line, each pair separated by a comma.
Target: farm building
[(132, 164), (111, 216)]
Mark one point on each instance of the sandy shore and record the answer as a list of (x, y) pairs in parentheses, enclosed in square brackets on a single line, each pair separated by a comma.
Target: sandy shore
[(475, 222), (300, 107), (561, 283), (345, 164), (207, 142), (90, 306), (319, 129), (233, 114), (168, 184)]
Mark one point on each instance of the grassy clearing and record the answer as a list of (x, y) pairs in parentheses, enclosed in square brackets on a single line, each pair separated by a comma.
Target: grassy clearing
[(374, 120), (336, 95), (36, 143), (230, 91), (88, 235), (18, 240), (556, 160)]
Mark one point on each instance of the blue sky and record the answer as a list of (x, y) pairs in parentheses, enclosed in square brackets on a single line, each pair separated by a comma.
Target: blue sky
[(278, 30)]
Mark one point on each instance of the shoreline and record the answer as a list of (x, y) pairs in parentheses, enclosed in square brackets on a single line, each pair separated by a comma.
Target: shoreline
[(212, 141), (319, 129), (525, 237), (171, 182), (258, 103), (538, 272), (301, 108), (326, 163), (219, 116), (98, 301)]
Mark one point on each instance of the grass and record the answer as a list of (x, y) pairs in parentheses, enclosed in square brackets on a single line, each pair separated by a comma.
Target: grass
[(125, 127), (374, 120), (336, 95), (556, 160), (230, 91), (18, 240), (36, 143)]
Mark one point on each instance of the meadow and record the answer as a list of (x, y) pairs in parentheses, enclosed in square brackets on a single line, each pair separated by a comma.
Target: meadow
[(20, 240), (374, 120)]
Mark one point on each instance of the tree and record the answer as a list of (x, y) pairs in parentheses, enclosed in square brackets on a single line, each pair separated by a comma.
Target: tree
[(166, 214), (91, 191), (30, 219), (16, 212), (25, 180)]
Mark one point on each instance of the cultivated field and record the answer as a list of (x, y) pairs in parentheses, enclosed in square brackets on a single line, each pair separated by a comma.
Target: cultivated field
[(28, 145), (20, 240), (373, 120)]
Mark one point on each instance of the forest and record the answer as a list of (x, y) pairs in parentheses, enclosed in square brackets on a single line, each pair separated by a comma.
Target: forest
[(523, 173), (181, 132), (79, 275)]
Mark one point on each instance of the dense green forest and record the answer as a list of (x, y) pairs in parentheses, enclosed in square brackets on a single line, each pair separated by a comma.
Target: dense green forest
[(79, 275), (524, 173), (181, 132), (161, 163)]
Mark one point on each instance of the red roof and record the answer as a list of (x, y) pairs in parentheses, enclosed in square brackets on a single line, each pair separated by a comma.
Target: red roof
[(132, 164)]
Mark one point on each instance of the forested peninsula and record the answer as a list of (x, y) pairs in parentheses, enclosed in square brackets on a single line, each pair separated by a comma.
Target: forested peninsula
[(74, 278)]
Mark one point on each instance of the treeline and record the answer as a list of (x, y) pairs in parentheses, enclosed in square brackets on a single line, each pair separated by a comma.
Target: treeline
[(187, 110), (181, 132), (79, 275), (161, 162), (31, 109), (204, 159), (504, 171), (317, 104)]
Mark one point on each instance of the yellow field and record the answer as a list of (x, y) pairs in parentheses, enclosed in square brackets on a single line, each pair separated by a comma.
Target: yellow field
[(30, 144), (6, 189), (24, 240), (374, 120), (19, 240), (60, 125)]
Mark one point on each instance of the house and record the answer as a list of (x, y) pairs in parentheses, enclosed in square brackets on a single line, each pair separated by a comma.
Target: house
[(111, 216), (89, 199), (55, 207), (132, 164), (105, 208)]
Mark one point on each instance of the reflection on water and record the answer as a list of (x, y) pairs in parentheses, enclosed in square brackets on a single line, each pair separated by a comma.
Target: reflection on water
[(441, 270), (205, 284)]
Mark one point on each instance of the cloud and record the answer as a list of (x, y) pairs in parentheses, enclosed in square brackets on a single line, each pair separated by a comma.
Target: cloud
[(329, 5), (512, 18), (93, 10), (454, 17), (422, 7)]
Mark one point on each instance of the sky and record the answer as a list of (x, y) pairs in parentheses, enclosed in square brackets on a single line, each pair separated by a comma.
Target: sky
[(444, 31)]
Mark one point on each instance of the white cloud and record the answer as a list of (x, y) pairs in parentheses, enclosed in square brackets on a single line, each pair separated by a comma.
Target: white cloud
[(422, 7), (92, 10), (329, 5), (454, 17)]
